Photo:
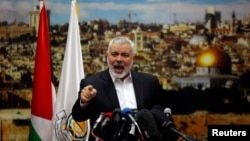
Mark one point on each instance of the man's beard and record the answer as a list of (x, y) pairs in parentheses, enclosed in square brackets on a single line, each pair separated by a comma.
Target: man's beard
[(124, 73)]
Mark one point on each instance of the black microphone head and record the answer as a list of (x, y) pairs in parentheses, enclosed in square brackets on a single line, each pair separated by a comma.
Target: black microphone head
[(158, 107), (148, 125), (117, 110), (117, 118), (117, 115), (158, 115), (161, 118)]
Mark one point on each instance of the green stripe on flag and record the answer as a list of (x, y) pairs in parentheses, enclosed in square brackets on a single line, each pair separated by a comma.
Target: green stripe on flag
[(33, 136)]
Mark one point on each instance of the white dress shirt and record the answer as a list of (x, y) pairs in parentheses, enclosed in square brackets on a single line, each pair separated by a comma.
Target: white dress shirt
[(125, 92)]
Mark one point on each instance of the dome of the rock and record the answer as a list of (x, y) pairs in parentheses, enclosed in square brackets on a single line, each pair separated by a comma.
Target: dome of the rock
[(213, 57)]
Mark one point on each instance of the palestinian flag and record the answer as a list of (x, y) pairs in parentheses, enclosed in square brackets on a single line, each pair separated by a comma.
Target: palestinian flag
[(43, 94)]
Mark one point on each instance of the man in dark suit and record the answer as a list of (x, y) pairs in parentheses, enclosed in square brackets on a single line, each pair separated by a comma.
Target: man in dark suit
[(118, 86)]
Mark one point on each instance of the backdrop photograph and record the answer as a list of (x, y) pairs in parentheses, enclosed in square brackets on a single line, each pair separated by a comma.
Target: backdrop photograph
[(198, 49)]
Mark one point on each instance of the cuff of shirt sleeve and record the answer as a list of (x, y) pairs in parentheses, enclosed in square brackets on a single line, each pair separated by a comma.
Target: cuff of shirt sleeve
[(82, 105)]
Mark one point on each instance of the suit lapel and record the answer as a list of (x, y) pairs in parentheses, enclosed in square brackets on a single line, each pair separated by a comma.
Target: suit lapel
[(137, 83), (109, 89)]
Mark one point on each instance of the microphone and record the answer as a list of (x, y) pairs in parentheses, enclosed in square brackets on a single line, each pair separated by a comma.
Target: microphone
[(158, 107), (166, 116), (106, 119), (117, 122), (148, 125), (117, 118), (95, 132), (128, 114), (107, 128), (166, 124), (124, 129), (168, 112)]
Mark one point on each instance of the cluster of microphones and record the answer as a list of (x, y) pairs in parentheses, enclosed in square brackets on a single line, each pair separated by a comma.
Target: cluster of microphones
[(129, 125)]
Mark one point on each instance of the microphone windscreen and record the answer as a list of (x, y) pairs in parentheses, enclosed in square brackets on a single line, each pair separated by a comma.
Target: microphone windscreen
[(107, 129), (148, 125), (167, 111), (158, 107), (117, 111), (158, 115), (164, 123), (107, 115), (117, 115), (107, 119), (117, 119), (126, 112)]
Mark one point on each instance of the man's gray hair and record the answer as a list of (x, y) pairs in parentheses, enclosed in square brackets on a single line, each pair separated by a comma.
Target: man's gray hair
[(122, 40)]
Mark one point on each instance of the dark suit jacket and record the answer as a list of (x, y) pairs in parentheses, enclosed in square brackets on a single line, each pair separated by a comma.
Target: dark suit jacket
[(147, 89)]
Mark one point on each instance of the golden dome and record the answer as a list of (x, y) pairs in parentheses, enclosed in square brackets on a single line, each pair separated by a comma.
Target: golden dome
[(213, 57)]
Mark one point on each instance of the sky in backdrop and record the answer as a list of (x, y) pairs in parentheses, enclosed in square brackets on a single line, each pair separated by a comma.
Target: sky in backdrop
[(142, 11)]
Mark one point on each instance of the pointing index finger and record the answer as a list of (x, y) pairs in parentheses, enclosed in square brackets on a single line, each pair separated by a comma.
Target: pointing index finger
[(90, 87)]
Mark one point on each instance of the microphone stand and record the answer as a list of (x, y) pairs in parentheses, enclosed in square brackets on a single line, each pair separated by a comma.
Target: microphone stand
[(177, 132), (180, 134)]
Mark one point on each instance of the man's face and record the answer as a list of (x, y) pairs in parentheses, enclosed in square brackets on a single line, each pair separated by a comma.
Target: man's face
[(120, 59)]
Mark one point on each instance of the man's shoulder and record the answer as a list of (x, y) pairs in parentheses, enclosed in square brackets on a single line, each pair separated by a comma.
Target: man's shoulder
[(97, 75)]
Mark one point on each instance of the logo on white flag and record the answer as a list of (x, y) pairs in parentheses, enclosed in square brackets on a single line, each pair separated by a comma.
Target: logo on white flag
[(67, 129)]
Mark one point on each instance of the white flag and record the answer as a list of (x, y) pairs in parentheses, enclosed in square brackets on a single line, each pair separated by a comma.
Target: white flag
[(65, 128)]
